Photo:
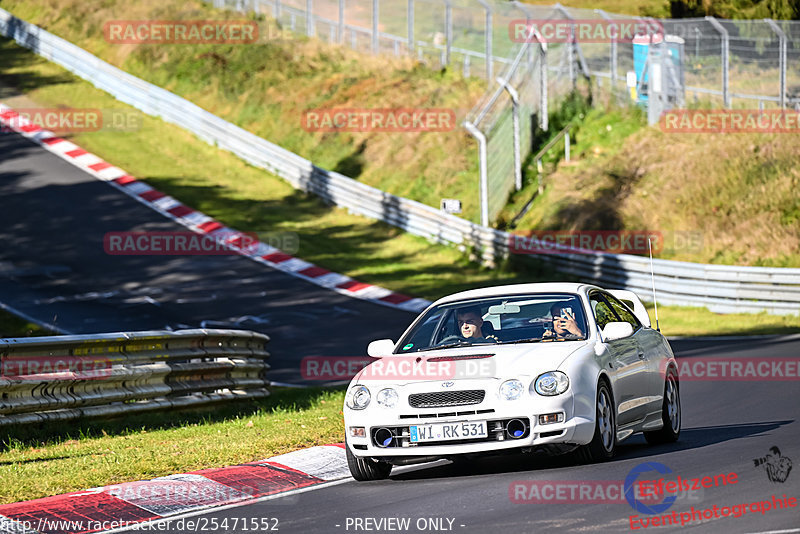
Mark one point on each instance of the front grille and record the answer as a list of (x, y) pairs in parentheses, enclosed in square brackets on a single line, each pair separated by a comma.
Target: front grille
[(446, 398), (444, 414)]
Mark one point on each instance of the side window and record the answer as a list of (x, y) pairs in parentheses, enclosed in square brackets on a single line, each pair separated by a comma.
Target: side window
[(423, 337), (623, 312), (603, 313)]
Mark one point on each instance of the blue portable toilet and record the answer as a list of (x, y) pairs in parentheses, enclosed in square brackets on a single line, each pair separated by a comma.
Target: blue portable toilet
[(652, 46)]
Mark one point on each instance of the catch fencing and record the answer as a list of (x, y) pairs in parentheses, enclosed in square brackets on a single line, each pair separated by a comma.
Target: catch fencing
[(725, 289), (59, 378), (724, 63)]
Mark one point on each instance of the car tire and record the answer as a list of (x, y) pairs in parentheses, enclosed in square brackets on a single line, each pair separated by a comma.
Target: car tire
[(604, 442), (670, 414), (366, 469)]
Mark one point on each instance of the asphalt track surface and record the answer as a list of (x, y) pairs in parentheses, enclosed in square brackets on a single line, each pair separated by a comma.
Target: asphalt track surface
[(53, 268), (726, 425)]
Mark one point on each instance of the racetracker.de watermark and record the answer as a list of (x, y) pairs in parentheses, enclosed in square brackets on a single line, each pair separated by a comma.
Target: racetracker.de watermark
[(72, 120), (730, 121), (583, 30), (738, 369), (180, 31), (379, 120), (397, 367), (174, 244), (588, 491), (585, 241), (38, 368)]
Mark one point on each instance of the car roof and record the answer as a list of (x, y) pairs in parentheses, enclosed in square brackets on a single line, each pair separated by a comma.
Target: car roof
[(544, 287)]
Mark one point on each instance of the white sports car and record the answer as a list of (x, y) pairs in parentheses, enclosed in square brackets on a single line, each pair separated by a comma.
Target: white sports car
[(554, 366)]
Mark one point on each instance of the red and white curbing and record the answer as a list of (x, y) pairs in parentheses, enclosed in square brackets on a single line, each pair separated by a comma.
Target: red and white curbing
[(124, 505), (203, 224)]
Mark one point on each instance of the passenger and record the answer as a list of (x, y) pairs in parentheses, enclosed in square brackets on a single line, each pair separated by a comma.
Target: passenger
[(564, 324)]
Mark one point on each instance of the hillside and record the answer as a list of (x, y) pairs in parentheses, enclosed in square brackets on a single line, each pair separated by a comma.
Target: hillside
[(740, 193), (267, 87), (737, 192)]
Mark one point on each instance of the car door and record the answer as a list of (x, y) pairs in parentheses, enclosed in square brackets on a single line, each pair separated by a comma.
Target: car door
[(630, 388)]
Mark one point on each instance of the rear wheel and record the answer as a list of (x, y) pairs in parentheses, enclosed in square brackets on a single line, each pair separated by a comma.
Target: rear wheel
[(604, 441), (364, 469), (670, 414)]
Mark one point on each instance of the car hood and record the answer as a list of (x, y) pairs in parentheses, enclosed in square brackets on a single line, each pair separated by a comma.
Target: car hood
[(475, 362)]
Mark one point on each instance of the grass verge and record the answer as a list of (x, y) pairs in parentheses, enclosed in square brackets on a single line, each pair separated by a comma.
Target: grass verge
[(13, 326), (39, 461)]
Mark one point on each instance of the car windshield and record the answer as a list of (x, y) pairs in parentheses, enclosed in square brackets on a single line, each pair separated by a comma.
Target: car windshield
[(509, 319)]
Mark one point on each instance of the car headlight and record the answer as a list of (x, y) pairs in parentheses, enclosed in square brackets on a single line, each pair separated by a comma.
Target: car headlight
[(387, 398), (551, 383), (511, 389), (358, 398)]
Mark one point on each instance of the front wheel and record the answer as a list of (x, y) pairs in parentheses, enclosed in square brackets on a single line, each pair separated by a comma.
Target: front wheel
[(604, 441), (670, 414), (365, 469)]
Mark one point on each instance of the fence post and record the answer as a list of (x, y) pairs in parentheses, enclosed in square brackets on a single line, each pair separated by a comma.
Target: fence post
[(484, 185), (613, 65), (375, 7), (310, 18), (726, 99), (528, 19), (570, 46), (515, 121), (341, 21), (410, 27), (781, 58), (543, 105), (448, 31), (277, 10), (488, 41)]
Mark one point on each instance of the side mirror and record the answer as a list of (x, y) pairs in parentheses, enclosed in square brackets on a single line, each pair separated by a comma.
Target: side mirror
[(617, 330), (380, 348)]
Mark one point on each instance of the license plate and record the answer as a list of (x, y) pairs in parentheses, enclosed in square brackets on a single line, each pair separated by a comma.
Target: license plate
[(448, 431)]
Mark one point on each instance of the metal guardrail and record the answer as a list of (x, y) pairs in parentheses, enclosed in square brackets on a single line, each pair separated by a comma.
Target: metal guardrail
[(724, 289), (58, 378)]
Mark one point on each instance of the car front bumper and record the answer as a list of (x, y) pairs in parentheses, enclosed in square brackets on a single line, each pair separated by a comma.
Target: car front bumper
[(573, 429)]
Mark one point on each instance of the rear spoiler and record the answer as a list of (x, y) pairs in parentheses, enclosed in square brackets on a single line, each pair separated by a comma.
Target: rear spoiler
[(630, 299)]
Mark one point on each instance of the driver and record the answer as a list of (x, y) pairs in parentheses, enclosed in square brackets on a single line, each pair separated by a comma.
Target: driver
[(470, 326)]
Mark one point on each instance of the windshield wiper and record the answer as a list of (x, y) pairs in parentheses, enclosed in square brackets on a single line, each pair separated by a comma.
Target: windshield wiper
[(529, 340), (455, 344)]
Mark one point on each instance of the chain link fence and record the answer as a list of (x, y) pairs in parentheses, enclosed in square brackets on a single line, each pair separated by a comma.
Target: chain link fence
[(723, 63)]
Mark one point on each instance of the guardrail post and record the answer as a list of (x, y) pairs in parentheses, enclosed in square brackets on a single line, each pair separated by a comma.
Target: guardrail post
[(781, 59), (410, 14), (310, 18), (484, 178), (566, 146), (515, 120), (726, 98), (448, 31), (341, 21), (375, 8)]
